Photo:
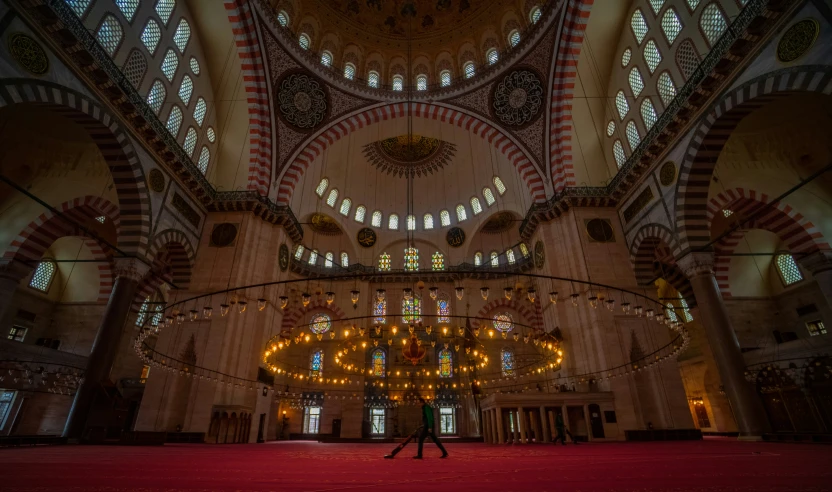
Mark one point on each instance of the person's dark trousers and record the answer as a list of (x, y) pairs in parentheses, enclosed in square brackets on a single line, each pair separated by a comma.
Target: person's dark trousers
[(561, 436), (570, 436), (424, 435)]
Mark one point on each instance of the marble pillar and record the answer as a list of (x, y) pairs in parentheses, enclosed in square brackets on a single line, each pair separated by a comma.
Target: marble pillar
[(498, 420), (545, 436), (522, 424)]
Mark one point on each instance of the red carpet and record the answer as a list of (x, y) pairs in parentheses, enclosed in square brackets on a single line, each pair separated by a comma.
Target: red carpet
[(711, 465)]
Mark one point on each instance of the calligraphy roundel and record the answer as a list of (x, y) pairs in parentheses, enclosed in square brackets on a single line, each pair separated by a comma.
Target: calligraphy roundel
[(283, 257), (367, 237), (455, 237)]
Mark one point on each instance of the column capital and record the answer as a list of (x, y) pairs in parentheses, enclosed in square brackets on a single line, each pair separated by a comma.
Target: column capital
[(697, 264), (817, 262), (129, 268), (14, 270)]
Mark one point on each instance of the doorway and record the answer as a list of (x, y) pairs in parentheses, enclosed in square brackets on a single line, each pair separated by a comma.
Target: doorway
[(596, 423)]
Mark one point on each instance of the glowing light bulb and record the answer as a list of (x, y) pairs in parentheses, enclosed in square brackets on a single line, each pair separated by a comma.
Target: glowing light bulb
[(261, 304), (484, 291), (284, 301), (507, 292), (553, 297)]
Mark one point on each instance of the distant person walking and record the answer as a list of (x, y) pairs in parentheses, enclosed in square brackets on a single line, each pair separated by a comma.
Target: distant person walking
[(428, 430), (562, 431)]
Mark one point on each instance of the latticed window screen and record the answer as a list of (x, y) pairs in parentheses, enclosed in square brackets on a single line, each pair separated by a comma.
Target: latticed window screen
[(618, 153), (299, 252), (488, 195), (186, 89), (372, 79), (610, 128), (632, 135), (445, 78), (687, 58), (477, 259), (656, 5), (135, 67), (304, 41), (360, 214), (428, 222), (190, 142), (685, 309), (713, 23), (788, 269), (398, 83), (345, 260), (639, 25), (535, 15), (652, 55), (524, 250), (194, 65), (510, 256), (469, 70), (109, 34), (498, 183), (128, 8), (349, 72), (421, 83), (693, 4), (79, 6), (164, 8), (514, 38), (393, 222), (648, 113), (156, 96), (621, 104), (328, 259), (169, 64), (199, 111), (313, 257), (376, 221), (461, 213), (636, 83), (43, 276), (326, 59), (476, 206), (346, 205), (666, 88), (322, 186), (211, 135), (492, 56), (626, 56), (283, 18), (495, 259), (204, 159), (671, 25), (332, 198), (182, 35), (151, 35), (411, 222), (174, 120), (445, 218)]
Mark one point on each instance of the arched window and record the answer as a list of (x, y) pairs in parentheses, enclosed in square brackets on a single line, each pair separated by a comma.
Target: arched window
[(503, 322), (384, 262), (438, 261), (283, 18), (411, 222), (329, 259), (304, 41), (372, 79), (326, 59), (507, 361), (380, 311), (671, 25), (652, 55), (666, 88), (421, 82), (514, 38), (639, 26), (685, 309), (190, 142), (164, 8), (134, 68), (656, 5), (79, 6), (443, 309), (376, 220), (535, 14), (345, 259), (495, 259), (186, 89), (398, 83), (712, 22), (788, 269), (299, 252), (476, 206), (156, 96), (621, 104), (346, 205), (332, 198), (146, 310), (110, 34), (636, 82), (199, 111), (151, 35), (412, 310), (498, 183), (492, 55), (625, 57), (633, 138), (322, 186), (360, 213), (427, 221), (379, 363), (169, 64), (313, 256), (618, 153), (393, 222), (212, 137), (477, 258), (174, 120), (648, 113), (42, 278), (349, 71), (445, 78), (687, 58), (488, 195), (524, 250), (510, 256), (468, 69), (610, 128), (182, 35), (411, 259), (670, 312), (461, 214), (194, 65), (444, 218), (446, 364), (316, 363)]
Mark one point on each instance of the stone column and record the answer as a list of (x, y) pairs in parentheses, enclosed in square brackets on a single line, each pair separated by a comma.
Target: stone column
[(11, 273), (485, 423), (498, 420), (521, 424), (565, 418), (819, 264), (746, 404), (544, 428), (127, 272), (588, 422)]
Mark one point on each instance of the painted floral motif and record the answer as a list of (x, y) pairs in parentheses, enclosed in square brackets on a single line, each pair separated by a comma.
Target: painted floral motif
[(302, 101), (518, 98)]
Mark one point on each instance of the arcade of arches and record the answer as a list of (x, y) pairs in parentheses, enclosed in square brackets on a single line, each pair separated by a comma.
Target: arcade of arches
[(259, 220)]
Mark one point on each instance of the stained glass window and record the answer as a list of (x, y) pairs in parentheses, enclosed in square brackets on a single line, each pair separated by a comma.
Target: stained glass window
[(421, 82), (510, 256), (524, 249), (411, 222), (164, 8), (109, 34), (618, 153), (713, 23), (445, 78), (199, 111), (332, 198), (488, 195), (477, 258), (667, 90), (169, 64), (376, 221), (190, 142), (636, 83), (204, 157), (194, 65), (372, 79), (316, 363), (411, 259), (507, 360), (492, 56), (788, 269), (320, 323), (384, 262), (412, 310), (182, 35), (648, 113), (476, 206), (346, 205), (514, 38), (446, 363), (393, 222), (283, 18), (299, 252), (128, 8), (43, 276), (443, 310), (495, 259), (313, 256), (322, 186), (304, 41), (469, 70), (427, 220), (632, 135), (398, 83), (461, 214), (438, 261), (380, 311), (379, 363), (328, 259), (498, 183), (621, 104), (349, 71), (345, 260), (445, 218), (186, 89), (326, 59), (652, 55), (671, 25), (639, 25), (360, 213), (79, 6), (174, 120), (503, 322)]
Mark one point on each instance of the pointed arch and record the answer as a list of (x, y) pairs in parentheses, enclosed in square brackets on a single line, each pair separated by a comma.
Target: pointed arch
[(172, 257), (653, 255)]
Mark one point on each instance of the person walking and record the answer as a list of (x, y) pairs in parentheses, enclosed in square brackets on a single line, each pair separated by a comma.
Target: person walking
[(562, 431), (428, 430)]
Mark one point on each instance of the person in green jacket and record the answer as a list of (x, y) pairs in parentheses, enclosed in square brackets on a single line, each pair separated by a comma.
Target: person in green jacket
[(562, 431), (428, 430)]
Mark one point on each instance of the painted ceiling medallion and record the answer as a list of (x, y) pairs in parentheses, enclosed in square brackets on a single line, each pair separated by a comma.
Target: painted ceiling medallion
[(302, 101), (499, 222), (518, 98), (28, 53), (797, 40), (324, 224), (422, 157)]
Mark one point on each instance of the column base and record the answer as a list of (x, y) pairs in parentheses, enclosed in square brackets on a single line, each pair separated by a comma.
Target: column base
[(750, 438)]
